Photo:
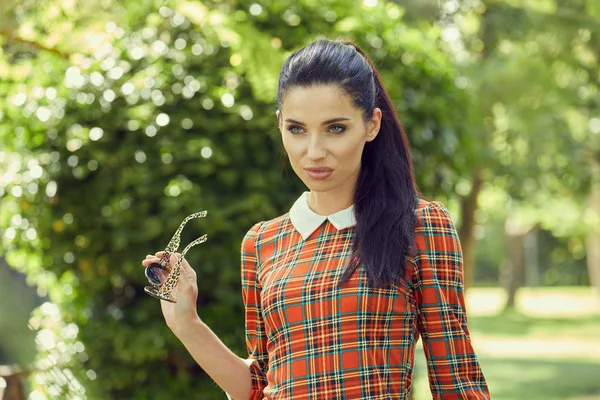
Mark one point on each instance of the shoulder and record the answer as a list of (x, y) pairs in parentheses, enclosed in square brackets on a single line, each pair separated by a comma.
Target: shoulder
[(434, 230), (432, 216), (429, 206), (264, 231), (437, 256)]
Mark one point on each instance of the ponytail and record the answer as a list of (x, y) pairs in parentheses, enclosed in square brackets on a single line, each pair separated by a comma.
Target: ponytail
[(386, 195), (385, 198)]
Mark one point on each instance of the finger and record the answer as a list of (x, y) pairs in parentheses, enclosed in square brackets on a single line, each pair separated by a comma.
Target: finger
[(151, 260), (183, 281), (173, 259), (189, 270), (161, 253), (189, 275)]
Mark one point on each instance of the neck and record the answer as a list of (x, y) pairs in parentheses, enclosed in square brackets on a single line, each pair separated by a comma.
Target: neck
[(327, 203)]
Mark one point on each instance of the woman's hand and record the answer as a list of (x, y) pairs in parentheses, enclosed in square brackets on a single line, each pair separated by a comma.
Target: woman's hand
[(180, 315)]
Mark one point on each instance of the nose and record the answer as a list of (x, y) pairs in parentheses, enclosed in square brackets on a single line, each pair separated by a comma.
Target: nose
[(316, 148)]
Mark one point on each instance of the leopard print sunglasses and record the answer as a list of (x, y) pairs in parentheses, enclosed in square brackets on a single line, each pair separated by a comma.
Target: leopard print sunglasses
[(161, 275)]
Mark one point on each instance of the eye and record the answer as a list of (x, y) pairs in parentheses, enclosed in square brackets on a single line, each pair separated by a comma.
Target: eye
[(294, 129), (338, 129)]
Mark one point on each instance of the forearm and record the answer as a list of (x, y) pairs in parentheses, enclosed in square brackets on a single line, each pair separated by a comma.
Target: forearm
[(228, 370)]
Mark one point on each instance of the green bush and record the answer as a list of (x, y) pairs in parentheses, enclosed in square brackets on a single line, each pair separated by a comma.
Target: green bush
[(106, 153)]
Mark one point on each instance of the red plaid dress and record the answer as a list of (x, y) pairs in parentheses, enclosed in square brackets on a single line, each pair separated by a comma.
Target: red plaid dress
[(308, 338)]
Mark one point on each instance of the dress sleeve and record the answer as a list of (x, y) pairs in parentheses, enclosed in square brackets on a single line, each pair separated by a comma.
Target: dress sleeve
[(453, 369), (256, 339)]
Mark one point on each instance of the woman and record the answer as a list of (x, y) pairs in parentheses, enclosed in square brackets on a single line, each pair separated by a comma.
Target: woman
[(338, 290)]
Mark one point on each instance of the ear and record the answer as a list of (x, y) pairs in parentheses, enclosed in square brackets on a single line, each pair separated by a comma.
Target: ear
[(374, 125), (278, 114)]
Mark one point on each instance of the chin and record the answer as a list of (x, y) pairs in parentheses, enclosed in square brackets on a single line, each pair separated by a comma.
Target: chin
[(318, 186)]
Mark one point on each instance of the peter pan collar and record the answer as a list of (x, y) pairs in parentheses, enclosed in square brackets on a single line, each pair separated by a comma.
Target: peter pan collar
[(306, 221)]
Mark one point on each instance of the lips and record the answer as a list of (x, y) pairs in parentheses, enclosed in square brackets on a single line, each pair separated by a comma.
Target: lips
[(319, 173), (319, 169)]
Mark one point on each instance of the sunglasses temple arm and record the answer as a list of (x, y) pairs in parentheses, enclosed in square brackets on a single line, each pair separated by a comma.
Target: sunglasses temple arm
[(177, 269), (174, 242), (201, 239)]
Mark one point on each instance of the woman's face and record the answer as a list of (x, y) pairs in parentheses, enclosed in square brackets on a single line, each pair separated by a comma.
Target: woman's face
[(322, 129)]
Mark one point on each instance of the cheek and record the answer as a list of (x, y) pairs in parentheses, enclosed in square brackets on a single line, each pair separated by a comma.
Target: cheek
[(291, 150), (350, 153)]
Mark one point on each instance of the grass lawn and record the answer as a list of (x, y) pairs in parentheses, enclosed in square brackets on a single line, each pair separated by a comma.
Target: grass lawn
[(549, 348)]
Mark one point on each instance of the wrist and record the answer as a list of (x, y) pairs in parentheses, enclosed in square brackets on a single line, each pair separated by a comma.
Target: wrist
[(188, 329)]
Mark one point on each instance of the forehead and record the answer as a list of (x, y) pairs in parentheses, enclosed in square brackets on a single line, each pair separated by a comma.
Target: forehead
[(317, 103)]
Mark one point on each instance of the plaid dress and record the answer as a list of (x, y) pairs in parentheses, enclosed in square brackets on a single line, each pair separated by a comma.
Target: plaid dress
[(307, 338)]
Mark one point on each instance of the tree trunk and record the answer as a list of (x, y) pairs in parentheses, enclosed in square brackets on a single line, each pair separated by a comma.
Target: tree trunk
[(468, 206), (593, 260), (592, 242), (531, 258), (14, 389), (513, 273)]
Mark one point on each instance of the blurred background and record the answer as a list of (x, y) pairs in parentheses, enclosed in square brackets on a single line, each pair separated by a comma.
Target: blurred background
[(120, 118)]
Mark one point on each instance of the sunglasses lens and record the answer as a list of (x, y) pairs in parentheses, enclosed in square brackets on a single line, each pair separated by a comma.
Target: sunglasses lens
[(156, 274)]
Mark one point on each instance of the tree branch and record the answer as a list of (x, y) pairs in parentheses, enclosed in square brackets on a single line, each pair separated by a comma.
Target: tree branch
[(11, 35)]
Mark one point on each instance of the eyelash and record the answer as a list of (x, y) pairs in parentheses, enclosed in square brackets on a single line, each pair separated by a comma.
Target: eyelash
[(342, 129)]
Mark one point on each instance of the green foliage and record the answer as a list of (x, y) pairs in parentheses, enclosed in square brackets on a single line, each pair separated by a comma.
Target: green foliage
[(158, 113), (533, 67)]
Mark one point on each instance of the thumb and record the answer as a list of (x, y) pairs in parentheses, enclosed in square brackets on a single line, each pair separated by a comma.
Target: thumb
[(183, 282)]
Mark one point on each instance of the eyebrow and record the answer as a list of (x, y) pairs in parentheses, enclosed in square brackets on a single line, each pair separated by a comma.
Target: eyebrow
[(330, 121)]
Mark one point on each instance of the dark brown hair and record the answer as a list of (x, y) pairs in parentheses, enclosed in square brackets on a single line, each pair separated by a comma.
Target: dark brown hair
[(386, 195)]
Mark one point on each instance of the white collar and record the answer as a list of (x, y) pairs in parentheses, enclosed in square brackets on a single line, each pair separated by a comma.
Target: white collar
[(306, 221)]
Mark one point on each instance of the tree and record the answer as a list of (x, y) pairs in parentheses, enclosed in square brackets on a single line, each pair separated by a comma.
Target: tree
[(527, 64), (119, 119)]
